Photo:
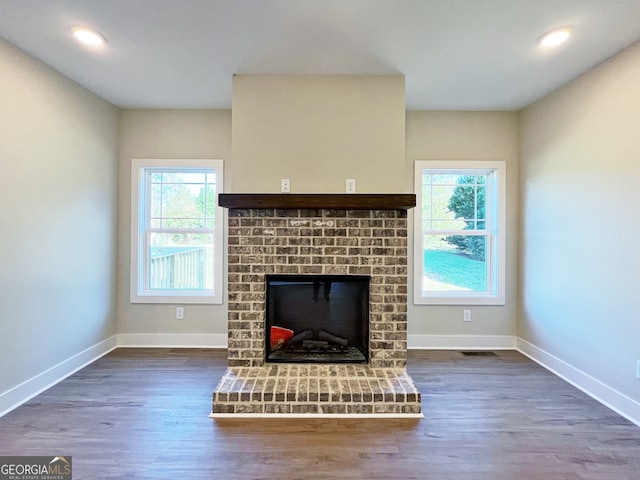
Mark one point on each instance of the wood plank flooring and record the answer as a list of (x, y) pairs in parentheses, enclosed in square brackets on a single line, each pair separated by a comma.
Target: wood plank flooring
[(142, 414)]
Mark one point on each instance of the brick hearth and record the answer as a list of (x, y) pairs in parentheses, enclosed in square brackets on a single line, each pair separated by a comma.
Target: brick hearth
[(317, 241), (326, 389)]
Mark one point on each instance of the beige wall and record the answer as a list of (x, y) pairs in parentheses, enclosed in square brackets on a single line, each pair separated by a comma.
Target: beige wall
[(580, 195), (58, 193), (318, 131), (429, 135), (469, 136), (186, 134)]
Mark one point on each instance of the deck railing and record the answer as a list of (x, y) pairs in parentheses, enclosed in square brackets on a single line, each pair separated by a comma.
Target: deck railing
[(177, 268)]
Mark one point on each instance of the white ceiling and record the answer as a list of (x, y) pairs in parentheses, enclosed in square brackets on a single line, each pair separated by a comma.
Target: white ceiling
[(454, 54)]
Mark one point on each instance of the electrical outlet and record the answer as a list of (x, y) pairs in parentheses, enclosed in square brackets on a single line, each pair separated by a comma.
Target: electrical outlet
[(466, 315), (350, 186), (285, 185), (179, 313)]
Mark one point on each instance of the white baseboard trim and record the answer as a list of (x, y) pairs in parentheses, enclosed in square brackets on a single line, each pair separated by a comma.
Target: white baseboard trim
[(461, 342), (16, 396), (172, 340), (616, 401)]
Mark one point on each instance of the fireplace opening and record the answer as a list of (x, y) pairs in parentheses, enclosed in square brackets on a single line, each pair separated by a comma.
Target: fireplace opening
[(317, 318)]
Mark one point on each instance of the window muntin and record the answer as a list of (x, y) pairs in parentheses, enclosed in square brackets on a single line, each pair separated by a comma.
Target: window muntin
[(459, 231), (177, 241)]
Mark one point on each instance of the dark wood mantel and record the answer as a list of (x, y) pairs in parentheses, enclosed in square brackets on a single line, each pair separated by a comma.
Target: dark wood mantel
[(328, 201)]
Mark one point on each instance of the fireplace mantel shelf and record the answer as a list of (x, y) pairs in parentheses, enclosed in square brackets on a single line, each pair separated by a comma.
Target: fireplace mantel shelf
[(328, 201)]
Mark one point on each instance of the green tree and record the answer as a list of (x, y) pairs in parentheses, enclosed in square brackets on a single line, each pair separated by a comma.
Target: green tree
[(468, 203)]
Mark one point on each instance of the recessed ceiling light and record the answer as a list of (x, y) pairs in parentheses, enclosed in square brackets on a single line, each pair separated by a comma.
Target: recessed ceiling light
[(89, 37), (555, 37)]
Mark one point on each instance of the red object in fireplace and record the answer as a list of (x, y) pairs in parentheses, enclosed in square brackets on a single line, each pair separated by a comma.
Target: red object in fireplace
[(279, 335)]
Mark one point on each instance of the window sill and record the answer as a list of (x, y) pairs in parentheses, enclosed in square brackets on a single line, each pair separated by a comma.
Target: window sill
[(496, 301), (176, 299)]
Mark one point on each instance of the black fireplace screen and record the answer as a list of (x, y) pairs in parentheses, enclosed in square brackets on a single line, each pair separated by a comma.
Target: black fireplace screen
[(317, 318)]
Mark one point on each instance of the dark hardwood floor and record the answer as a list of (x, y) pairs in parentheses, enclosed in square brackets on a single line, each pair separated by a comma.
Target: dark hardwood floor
[(142, 414)]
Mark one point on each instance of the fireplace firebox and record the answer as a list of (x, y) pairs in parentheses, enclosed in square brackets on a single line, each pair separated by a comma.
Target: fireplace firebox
[(317, 318)]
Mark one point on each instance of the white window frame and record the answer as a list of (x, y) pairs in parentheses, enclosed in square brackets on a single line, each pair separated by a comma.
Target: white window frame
[(496, 226), (139, 267)]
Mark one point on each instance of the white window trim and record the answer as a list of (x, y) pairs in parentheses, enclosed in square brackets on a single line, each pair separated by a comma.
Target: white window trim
[(137, 235), (496, 270)]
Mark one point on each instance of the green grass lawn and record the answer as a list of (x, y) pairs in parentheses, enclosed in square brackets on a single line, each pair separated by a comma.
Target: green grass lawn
[(456, 270)]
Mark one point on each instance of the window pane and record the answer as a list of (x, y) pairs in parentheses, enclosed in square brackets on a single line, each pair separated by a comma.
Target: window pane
[(182, 200), (445, 179), (206, 200), (441, 199), (156, 200), (198, 177), (179, 201), (426, 201), (455, 263), (463, 201), (481, 202), (447, 197), (180, 261)]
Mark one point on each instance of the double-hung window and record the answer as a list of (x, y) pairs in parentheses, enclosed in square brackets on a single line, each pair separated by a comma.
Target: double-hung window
[(176, 225), (459, 233)]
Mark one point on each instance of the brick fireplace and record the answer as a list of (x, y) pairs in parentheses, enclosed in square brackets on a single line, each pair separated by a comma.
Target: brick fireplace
[(315, 235)]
